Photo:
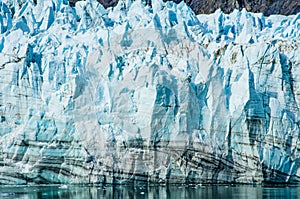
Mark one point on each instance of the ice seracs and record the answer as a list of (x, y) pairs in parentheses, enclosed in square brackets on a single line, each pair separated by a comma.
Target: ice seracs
[(146, 94)]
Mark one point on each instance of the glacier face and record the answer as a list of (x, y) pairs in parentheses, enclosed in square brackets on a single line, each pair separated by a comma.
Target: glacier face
[(139, 94)]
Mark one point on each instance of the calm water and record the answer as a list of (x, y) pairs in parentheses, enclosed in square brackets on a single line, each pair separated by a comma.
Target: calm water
[(211, 191)]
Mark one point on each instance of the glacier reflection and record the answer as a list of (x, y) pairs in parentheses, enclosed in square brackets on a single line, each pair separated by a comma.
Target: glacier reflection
[(172, 191)]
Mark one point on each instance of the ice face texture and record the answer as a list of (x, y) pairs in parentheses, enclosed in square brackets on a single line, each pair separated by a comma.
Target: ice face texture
[(140, 94)]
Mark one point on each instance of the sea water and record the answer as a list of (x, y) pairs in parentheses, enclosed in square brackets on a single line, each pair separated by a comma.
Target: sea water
[(172, 191)]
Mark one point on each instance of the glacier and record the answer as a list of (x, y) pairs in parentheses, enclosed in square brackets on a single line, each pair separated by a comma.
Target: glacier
[(139, 94)]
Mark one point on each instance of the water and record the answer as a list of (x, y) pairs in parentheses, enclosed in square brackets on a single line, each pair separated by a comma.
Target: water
[(179, 191)]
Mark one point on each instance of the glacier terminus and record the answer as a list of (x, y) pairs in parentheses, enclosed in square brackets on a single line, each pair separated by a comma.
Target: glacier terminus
[(140, 94)]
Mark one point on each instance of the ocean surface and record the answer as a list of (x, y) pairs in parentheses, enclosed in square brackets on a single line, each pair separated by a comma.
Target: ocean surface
[(174, 191)]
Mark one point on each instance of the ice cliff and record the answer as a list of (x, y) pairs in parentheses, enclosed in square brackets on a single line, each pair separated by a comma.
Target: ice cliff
[(139, 94)]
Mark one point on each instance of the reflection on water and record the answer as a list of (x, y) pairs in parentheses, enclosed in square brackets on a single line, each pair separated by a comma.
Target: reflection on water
[(179, 191)]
